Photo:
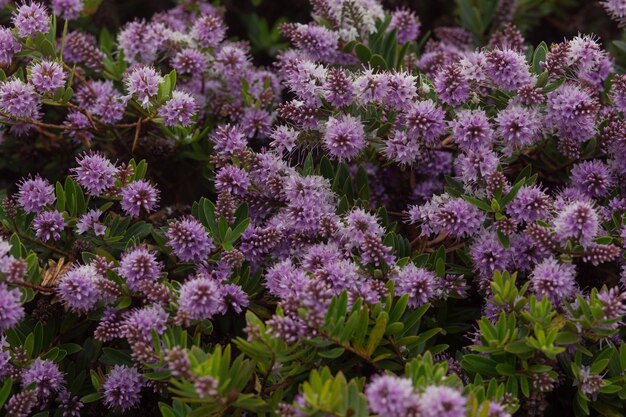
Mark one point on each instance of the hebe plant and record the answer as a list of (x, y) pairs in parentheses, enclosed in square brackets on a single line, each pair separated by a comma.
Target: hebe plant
[(385, 222)]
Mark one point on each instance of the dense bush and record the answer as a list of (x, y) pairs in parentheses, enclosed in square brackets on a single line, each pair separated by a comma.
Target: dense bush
[(395, 217)]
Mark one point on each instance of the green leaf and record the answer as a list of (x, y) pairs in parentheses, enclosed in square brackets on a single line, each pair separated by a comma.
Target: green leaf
[(363, 52), (90, 398), (377, 332), (539, 56), (5, 391), (332, 353)]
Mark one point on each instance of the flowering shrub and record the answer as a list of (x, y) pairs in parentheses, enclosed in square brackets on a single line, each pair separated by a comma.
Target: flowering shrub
[(384, 222)]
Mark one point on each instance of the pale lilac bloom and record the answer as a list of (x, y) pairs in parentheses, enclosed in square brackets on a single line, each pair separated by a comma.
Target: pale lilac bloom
[(30, 19)]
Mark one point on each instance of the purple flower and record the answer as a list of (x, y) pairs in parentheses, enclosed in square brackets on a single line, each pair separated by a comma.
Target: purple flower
[(476, 164), (338, 88), (95, 173), (592, 178), (442, 401), (406, 23), (143, 82), (400, 148), (18, 99), (69, 404), (618, 92), (122, 388), (199, 299), (554, 280), (231, 60), (572, 112), (452, 86), (488, 255), (344, 137), (11, 310), (507, 69), (234, 298), (284, 138), (190, 61), (457, 218), (617, 10), (529, 205), (229, 140), (91, 221), (232, 180), (401, 90), (418, 283), (140, 42), (179, 109), (139, 265), (358, 224), (9, 46), (577, 221), (80, 289), (48, 225), (189, 240), (208, 30), (67, 9), (425, 121), (316, 41), (371, 87), (518, 126), (45, 376), (256, 122), (472, 129), (391, 396), (47, 76), (82, 48), (30, 19), (141, 322), (34, 194), (138, 195)]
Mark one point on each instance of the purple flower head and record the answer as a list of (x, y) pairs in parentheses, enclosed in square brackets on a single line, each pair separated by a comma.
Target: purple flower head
[(518, 126), (344, 137), (232, 180), (11, 310), (189, 240), (143, 82), (256, 122), (30, 19), (45, 376), (208, 30), (554, 280), (452, 86), (18, 99), (472, 129), (391, 396), (34, 194), (179, 109), (572, 112), (577, 221), (200, 298), (284, 138), (442, 401), (82, 48), (457, 218), (476, 164), (140, 322), (190, 61), (507, 69), (401, 90), (488, 255), (613, 303), (139, 265), (80, 288), (592, 178), (91, 221), (231, 60), (358, 224), (234, 298), (95, 173), (406, 23), (425, 121), (317, 42), (618, 92), (67, 9), (140, 42), (338, 87), (229, 140), (122, 388), (69, 404), (371, 87), (402, 149), (617, 10), (48, 225), (529, 205), (9, 46), (138, 195), (418, 283)]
